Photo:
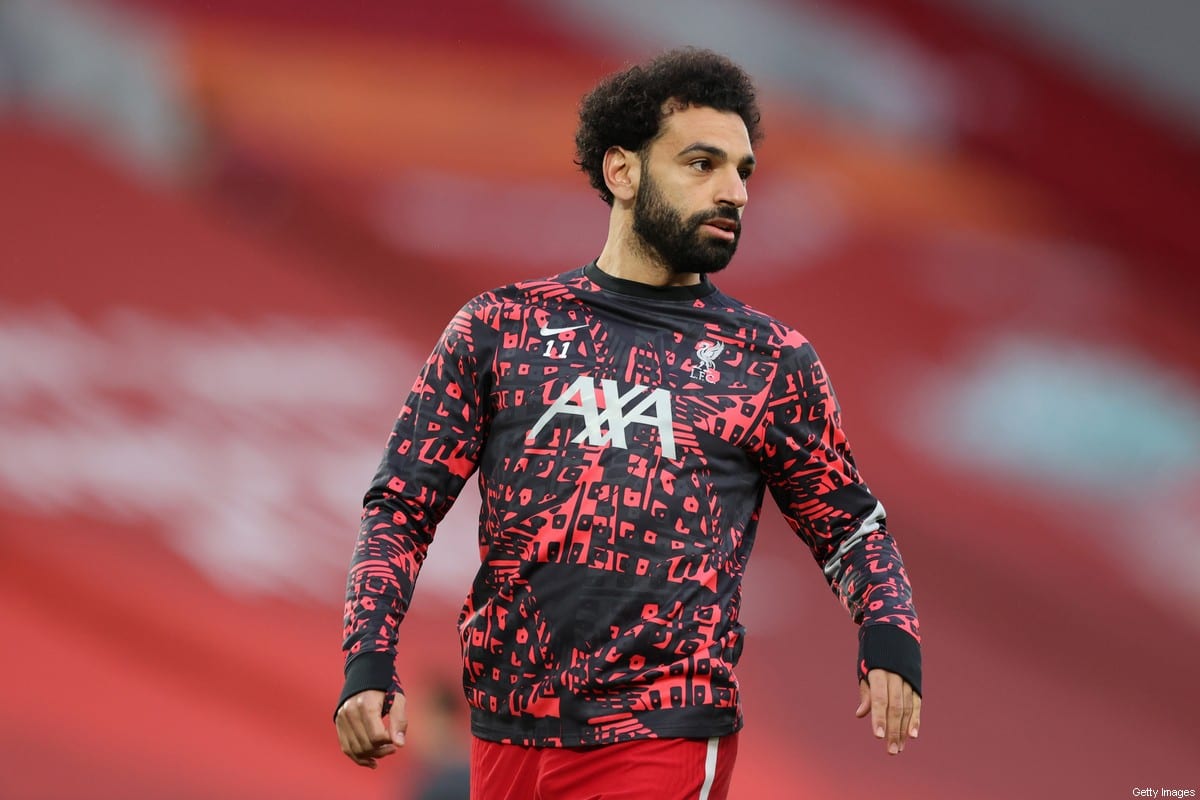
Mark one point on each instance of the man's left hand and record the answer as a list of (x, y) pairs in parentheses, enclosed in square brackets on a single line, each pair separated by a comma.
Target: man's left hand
[(894, 707)]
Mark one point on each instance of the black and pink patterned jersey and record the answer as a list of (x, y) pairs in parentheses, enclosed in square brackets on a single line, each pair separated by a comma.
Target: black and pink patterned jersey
[(624, 437)]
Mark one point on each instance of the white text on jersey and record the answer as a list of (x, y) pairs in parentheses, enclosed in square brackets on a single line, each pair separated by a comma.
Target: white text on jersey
[(653, 409)]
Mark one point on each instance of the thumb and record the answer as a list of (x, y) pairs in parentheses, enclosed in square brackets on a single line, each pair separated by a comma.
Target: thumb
[(397, 720), (864, 700)]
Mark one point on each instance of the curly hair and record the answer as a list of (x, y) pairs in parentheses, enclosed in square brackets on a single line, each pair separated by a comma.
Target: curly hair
[(627, 108)]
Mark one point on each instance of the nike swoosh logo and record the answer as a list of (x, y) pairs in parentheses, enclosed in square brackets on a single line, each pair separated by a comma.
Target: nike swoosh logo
[(556, 331)]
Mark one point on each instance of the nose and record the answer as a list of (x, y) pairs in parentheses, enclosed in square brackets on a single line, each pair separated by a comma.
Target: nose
[(731, 189)]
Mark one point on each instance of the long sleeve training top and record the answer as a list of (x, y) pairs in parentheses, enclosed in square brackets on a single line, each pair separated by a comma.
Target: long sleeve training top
[(624, 438)]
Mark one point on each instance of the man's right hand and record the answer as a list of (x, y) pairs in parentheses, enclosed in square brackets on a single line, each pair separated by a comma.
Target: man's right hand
[(361, 730)]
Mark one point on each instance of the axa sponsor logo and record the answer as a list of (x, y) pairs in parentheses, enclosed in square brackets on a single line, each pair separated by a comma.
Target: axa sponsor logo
[(607, 414)]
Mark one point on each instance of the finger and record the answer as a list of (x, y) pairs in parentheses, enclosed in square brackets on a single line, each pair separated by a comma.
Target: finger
[(895, 711), (381, 751), (864, 700), (377, 750), (879, 699), (347, 736), (914, 725), (398, 720), (906, 719), (364, 717), (364, 761), (342, 742), (372, 718), (345, 740), (350, 719)]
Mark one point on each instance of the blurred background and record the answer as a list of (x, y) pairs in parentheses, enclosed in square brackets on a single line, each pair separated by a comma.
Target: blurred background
[(231, 230)]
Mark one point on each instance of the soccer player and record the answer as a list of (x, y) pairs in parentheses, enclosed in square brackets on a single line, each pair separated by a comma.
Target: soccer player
[(625, 419)]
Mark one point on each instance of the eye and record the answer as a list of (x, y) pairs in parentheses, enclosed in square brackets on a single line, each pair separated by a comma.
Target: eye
[(701, 165), (745, 173)]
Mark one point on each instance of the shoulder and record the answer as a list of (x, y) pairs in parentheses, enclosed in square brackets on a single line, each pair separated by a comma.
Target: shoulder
[(532, 291), (773, 332)]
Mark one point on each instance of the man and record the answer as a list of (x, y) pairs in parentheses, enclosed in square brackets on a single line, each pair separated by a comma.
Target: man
[(626, 419)]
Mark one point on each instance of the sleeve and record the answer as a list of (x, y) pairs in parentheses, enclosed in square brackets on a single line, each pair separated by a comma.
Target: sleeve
[(811, 473), (432, 451)]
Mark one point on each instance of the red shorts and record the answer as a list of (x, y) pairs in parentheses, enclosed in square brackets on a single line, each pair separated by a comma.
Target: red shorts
[(644, 769)]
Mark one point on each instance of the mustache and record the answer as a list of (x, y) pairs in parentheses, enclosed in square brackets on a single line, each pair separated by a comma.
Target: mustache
[(722, 212)]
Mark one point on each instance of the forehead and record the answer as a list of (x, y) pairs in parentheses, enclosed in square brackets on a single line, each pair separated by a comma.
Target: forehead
[(724, 129)]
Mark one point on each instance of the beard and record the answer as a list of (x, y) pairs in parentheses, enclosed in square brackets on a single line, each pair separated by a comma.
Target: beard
[(677, 243)]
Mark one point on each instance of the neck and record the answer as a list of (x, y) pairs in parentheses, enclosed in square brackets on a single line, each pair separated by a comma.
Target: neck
[(626, 256)]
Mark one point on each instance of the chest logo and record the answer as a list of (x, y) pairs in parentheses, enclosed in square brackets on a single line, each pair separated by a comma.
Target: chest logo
[(607, 414), (558, 348), (707, 354), (544, 331)]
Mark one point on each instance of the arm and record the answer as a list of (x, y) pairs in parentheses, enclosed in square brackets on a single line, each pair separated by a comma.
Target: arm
[(812, 475), (432, 451)]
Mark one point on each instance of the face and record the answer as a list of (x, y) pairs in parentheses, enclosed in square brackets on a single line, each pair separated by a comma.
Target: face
[(692, 190)]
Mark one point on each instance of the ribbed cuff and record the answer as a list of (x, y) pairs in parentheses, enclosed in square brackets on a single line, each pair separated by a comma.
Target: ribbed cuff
[(368, 671), (891, 648)]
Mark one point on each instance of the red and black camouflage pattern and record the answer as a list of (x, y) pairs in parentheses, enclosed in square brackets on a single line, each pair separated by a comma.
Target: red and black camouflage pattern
[(624, 438)]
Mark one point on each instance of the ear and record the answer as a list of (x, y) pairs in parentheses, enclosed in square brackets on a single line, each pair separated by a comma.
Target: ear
[(622, 172)]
